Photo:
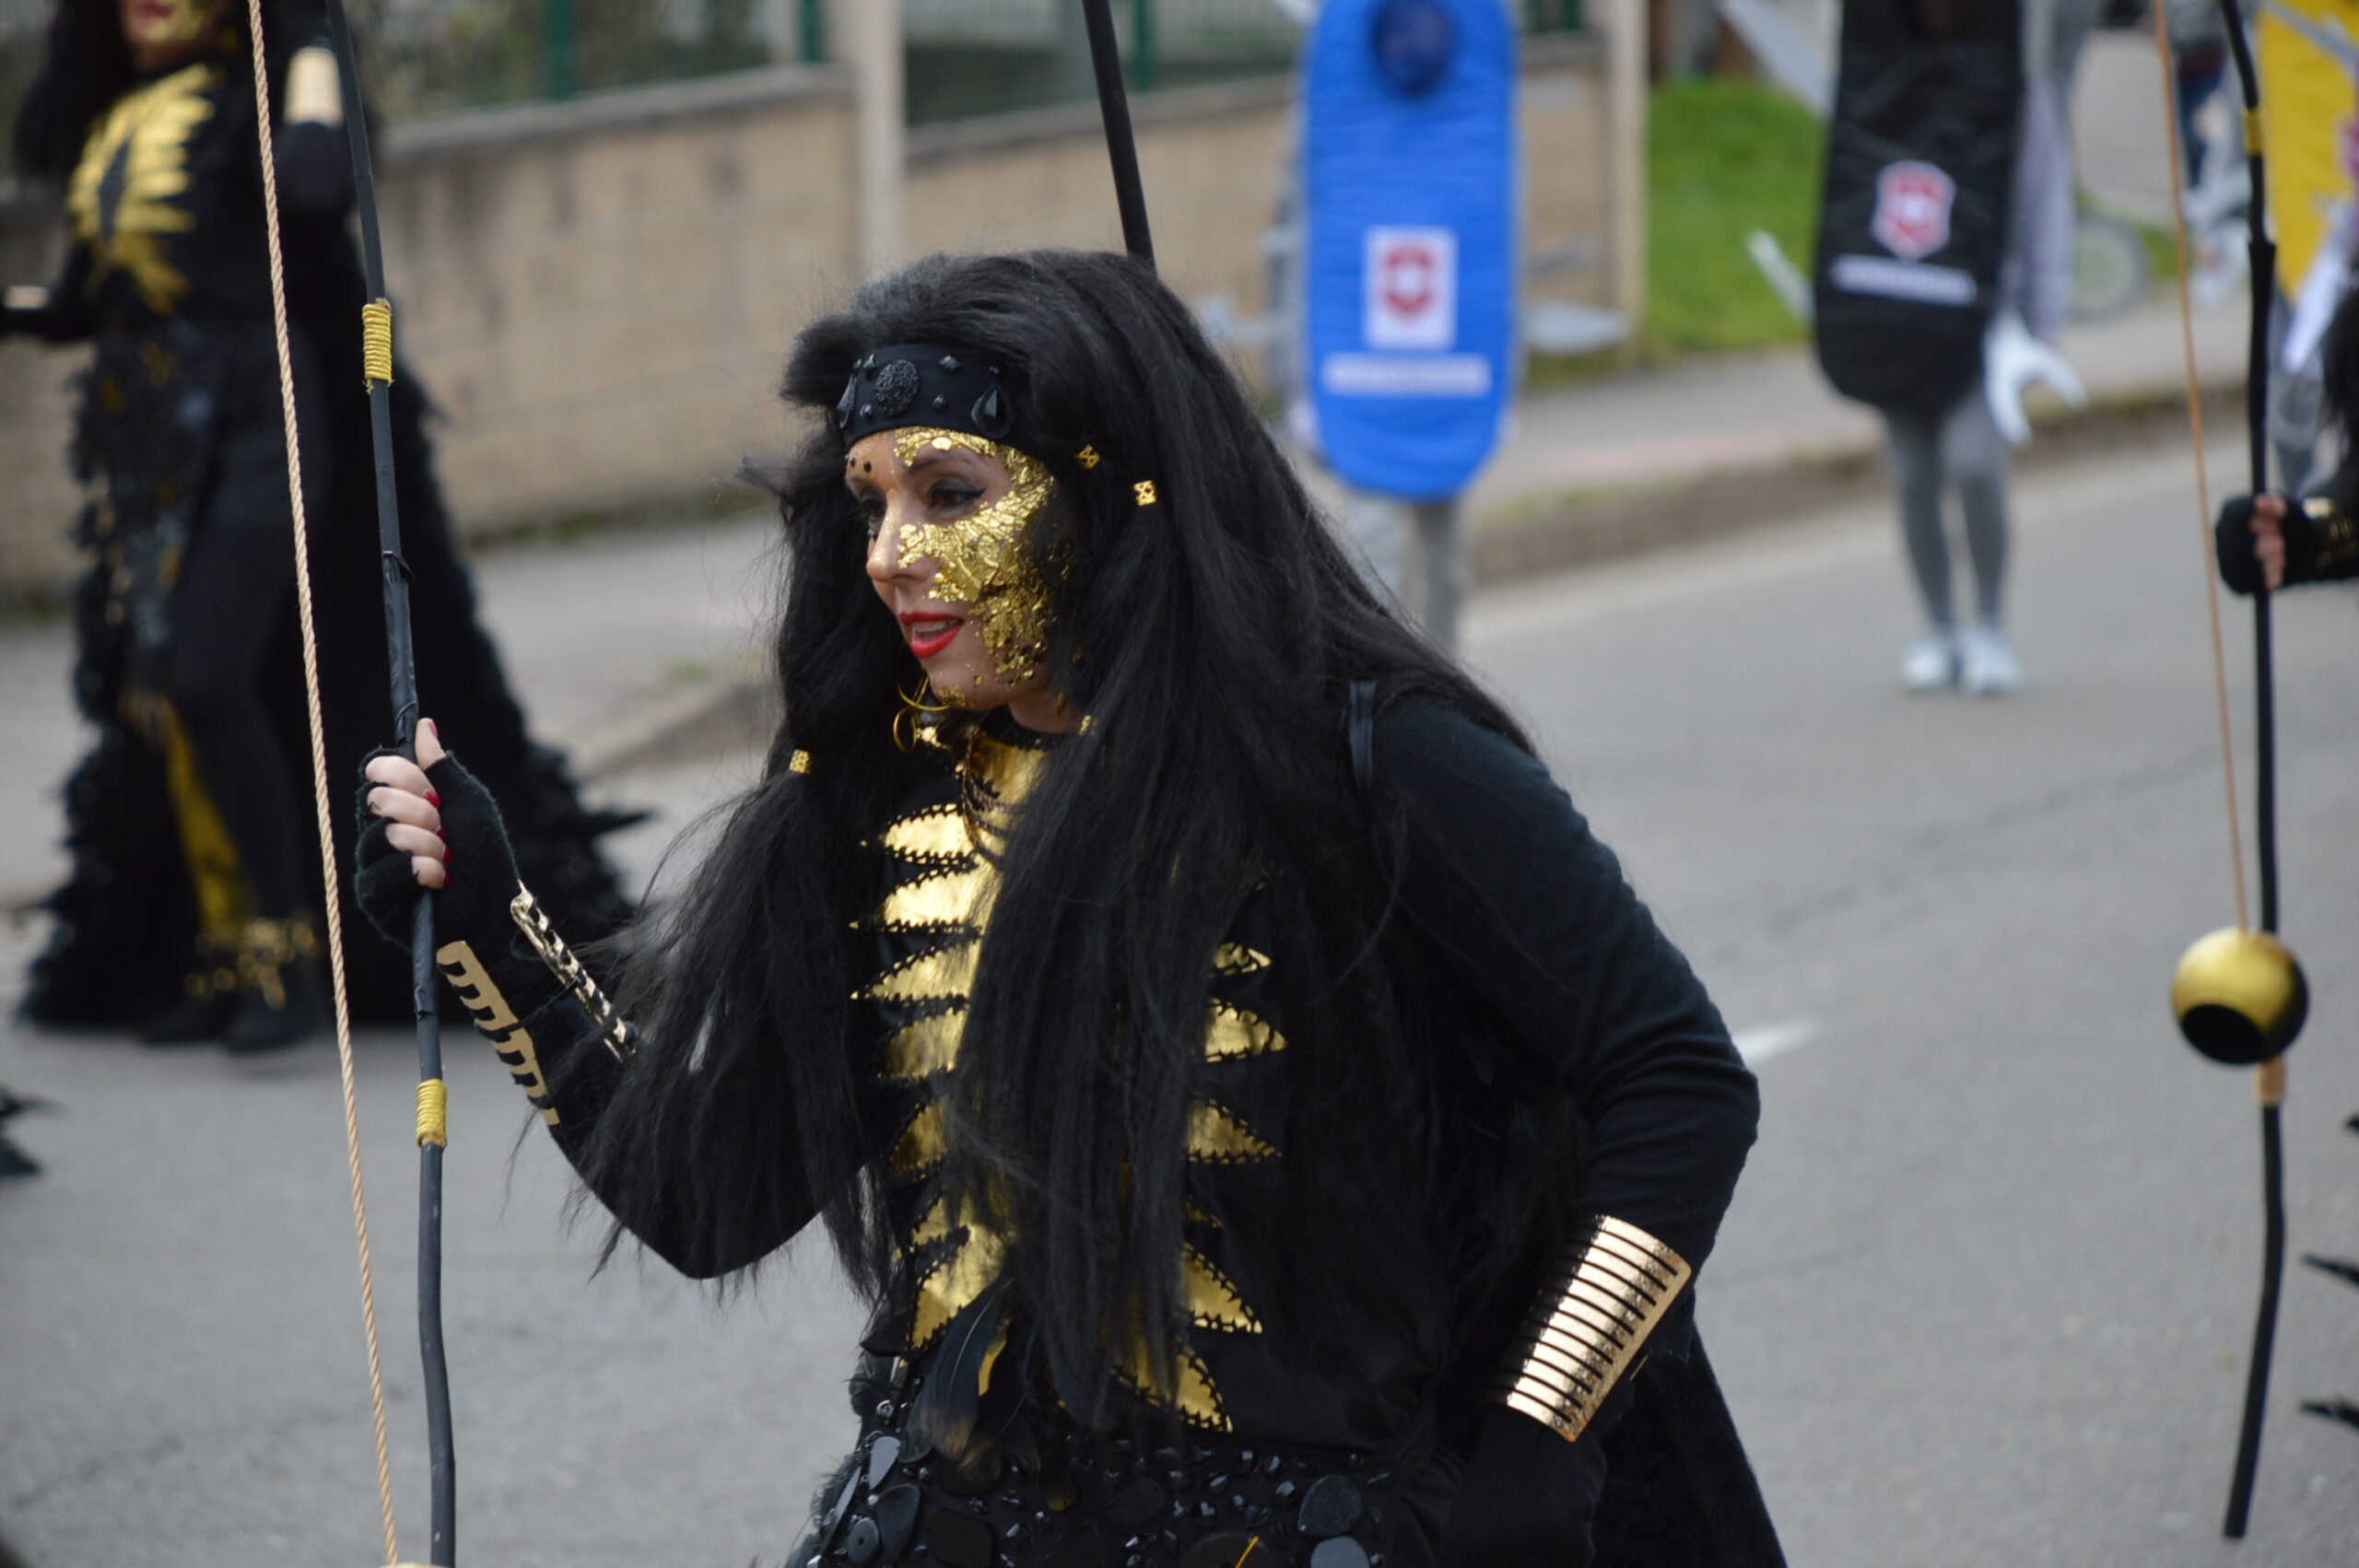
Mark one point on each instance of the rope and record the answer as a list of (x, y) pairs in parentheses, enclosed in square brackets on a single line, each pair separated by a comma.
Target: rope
[(320, 775), (2202, 473)]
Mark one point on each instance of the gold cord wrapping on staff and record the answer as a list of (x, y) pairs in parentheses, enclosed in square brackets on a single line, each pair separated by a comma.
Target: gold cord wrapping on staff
[(2252, 132), (1584, 1335), (320, 798), (377, 341), (433, 1112)]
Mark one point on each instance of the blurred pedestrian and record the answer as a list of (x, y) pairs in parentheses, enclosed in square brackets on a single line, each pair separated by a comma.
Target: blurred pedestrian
[(1946, 275), (1261, 1115), (2198, 38), (191, 910)]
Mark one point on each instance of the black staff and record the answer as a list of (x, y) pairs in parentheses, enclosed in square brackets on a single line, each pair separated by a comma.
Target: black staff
[(2239, 995), (378, 332), (1114, 108)]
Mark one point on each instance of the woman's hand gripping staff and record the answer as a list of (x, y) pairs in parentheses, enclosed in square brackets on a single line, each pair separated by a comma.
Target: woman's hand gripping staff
[(529, 995)]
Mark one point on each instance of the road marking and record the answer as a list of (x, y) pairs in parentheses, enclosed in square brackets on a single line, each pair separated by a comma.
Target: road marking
[(1757, 1046)]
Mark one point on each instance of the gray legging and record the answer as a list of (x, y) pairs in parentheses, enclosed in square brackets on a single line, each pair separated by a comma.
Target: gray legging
[(1962, 449)]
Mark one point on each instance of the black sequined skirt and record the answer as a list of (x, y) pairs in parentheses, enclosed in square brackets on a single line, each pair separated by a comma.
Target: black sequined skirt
[(1049, 1494)]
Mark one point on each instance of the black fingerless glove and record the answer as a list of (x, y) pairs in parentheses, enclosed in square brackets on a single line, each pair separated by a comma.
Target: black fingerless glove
[(1528, 1495), (474, 902), (2232, 540)]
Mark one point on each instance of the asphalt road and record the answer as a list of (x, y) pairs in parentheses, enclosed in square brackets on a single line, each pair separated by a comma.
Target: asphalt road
[(1983, 1299)]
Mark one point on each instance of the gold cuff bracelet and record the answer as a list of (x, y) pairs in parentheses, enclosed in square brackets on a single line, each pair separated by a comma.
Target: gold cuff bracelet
[(1617, 1283)]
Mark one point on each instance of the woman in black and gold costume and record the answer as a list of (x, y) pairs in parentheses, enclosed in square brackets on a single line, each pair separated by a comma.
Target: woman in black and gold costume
[(190, 909), (1266, 1126)]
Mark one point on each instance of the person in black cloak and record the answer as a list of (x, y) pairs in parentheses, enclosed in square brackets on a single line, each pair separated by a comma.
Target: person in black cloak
[(191, 909), (2275, 540), (1265, 1125)]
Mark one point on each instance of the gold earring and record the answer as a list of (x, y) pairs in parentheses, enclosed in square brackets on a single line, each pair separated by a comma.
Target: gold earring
[(906, 722)]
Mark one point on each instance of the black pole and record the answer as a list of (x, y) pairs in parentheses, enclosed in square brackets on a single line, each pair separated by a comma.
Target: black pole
[(2264, 1331), (1114, 107), (2263, 255), (441, 1457)]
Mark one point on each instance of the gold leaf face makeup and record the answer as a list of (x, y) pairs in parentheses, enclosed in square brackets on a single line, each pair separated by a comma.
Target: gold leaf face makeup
[(984, 560)]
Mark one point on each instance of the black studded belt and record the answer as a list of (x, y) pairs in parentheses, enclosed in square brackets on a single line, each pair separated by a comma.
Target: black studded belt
[(1049, 1495)]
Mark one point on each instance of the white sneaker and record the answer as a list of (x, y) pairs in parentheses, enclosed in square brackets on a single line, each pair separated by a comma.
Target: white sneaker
[(1991, 667), (1929, 663)]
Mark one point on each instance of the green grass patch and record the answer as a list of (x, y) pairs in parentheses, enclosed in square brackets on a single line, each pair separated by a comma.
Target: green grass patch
[(1724, 158)]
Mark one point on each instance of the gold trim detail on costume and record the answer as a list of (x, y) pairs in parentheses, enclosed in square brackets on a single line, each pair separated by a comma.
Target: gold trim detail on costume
[(936, 835), (1616, 1285), (923, 1048), (123, 194), (224, 899), (939, 974), (1087, 457), (944, 886), (1217, 1136), (1236, 1031), (1213, 1301), (798, 761), (1144, 491), (267, 949), (2338, 535), (540, 935), (947, 900), (922, 1142), (496, 1022)]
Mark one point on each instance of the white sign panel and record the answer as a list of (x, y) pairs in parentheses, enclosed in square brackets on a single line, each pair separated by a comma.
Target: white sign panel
[(1410, 284)]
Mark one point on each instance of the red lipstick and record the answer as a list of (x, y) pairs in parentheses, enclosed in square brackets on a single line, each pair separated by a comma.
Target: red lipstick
[(930, 631)]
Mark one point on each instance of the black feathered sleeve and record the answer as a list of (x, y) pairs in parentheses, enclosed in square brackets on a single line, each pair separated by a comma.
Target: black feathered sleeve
[(1533, 913)]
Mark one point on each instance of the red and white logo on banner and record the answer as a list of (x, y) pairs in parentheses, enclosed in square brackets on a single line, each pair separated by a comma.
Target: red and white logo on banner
[(1913, 204), (1410, 292)]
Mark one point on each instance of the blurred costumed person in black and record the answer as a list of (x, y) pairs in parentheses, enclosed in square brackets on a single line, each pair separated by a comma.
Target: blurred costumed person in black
[(2279, 540), (191, 909), (1945, 275), (1265, 1123)]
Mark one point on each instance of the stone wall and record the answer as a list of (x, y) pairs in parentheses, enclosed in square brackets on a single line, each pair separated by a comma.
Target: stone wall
[(600, 294)]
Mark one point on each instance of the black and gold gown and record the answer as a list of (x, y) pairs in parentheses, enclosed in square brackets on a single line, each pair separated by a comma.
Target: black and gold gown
[(1325, 1437), (179, 440)]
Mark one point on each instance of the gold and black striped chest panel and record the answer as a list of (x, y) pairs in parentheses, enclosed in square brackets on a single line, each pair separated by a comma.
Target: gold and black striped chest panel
[(931, 928)]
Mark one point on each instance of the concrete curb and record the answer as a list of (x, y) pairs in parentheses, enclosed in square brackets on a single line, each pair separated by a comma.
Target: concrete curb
[(1539, 538)]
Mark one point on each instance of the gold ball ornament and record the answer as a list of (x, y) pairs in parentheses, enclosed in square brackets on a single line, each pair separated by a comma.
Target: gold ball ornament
[(2239, 996)]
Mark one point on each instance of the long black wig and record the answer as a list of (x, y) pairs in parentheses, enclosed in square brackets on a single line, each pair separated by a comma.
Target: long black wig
[(1212, 649)]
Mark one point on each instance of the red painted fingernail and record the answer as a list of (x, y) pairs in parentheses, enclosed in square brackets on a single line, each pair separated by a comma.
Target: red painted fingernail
[(436, 728), (434, 799)]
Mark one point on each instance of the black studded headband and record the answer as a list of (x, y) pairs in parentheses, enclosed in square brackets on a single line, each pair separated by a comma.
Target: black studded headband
[(928, 385)]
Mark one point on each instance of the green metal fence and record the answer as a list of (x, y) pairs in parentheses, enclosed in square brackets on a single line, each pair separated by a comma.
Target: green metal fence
[(970, 57), (963, 57)]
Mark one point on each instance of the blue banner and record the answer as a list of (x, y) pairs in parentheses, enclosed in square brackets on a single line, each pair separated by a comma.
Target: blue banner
[(1409, 206)]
